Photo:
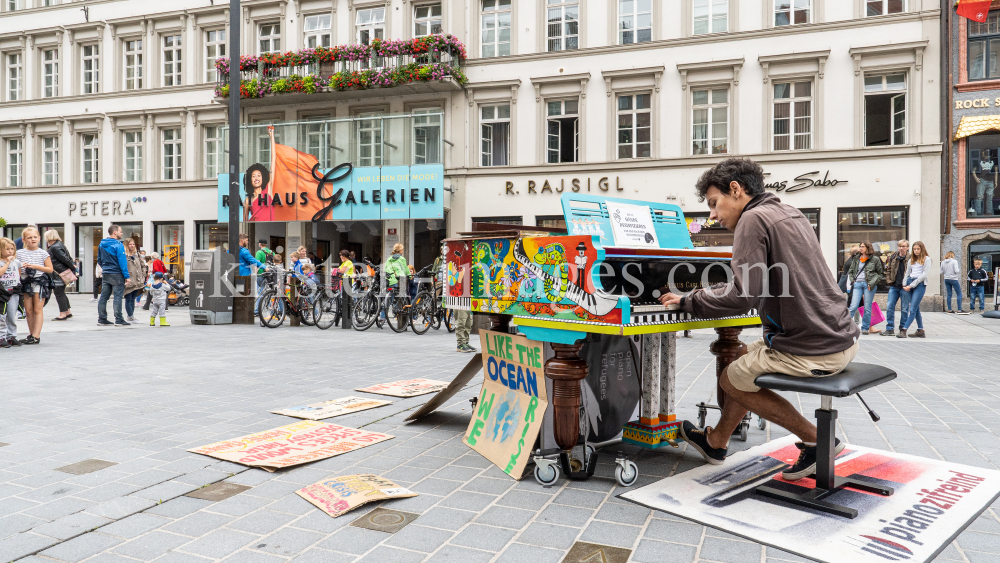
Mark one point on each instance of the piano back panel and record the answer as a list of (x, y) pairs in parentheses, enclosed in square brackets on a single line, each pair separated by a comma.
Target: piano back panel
[(641, 277), (588, 215)]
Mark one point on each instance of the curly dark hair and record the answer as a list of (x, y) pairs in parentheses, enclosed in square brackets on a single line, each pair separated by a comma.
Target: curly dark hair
[(744, 171), (265, 178)]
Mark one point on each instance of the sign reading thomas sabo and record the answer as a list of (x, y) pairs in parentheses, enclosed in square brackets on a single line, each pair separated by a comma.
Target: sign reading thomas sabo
[(511, 405)]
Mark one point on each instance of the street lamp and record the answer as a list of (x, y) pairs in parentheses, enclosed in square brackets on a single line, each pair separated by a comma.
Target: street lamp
[(235, 203)]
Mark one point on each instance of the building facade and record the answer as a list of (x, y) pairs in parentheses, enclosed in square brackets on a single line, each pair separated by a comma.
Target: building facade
[(629, 98)]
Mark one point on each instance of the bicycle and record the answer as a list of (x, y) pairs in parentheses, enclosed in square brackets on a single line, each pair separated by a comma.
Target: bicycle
[(326, 310), (396, 305), (367, 305), (276, 301)]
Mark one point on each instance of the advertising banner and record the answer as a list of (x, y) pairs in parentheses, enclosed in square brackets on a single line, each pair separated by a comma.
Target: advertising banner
[(329, 409), (338, 495)]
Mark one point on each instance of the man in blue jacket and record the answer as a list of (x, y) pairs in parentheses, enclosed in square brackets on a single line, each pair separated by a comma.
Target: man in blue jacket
[(246, 259), (111, 257)]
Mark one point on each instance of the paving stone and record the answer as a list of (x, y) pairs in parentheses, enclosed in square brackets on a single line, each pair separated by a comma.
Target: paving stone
[(382, 554), (165, 491), (261, 522), (316, 555), (548, 535), (121, 507), (419, 538), (446, 518), (86, 466), (504, 517), (606, 533), (248, 556), (661, 552), (583, 551), (16, 523), (220, 543), (727, 551), (179, 507), (583, 499), (565, 515), (71, 526), (135, 525), (519, 552), (351, 539), (468, 501), (456, 554), (19, 545), (78, 549), (151, 545)]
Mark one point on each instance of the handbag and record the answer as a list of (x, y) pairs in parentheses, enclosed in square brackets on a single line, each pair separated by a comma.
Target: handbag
[(842, 282), (67, 276), (878, 317)]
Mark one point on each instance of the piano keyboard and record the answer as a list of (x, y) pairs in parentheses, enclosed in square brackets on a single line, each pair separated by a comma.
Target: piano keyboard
[(463, 303), (672, 317)]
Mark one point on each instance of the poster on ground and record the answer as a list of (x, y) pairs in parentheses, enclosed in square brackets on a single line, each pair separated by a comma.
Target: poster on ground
[(406, 388), (292, 444), (508, 416), (337, 495), (330, 409), (470, 370)]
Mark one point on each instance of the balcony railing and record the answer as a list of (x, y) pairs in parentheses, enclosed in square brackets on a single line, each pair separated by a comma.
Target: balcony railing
[(383, 64)]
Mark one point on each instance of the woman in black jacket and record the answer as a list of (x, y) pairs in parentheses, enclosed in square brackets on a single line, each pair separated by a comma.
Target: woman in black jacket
[(61, 262)]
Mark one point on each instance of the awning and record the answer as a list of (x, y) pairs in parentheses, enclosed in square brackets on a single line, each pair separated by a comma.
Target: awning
[(973, 124)]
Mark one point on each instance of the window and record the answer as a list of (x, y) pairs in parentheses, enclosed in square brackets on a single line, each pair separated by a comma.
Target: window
[(708, 233), (371, 25), (263, 140), (214, 151), (318, 141), (171, 154), (133, 64), (495, 126), (710, 118), (984, 46), (812, 214), (50, 161), (789, 12), (215, 47), (172, 60), (792, 116), (981, 182), (635, 21), (213, 235), (880, 7), (15, 76), (509, 220), (635, 126), (550, 221), (883, 226), (50, 73), (317, 31), (133, 156), (427, 20), (496, 28), (90, 161), (563, 131), (711, 16), (885, 110), (987, 250), (270, 38), (563, 25), (13, 5), (427, 136), (369, 140), (15, 162), (91, 69)]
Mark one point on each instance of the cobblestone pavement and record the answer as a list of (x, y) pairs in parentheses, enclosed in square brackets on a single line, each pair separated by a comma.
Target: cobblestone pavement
[(142, 396)]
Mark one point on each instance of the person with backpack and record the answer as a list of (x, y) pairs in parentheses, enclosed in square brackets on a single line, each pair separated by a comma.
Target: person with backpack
[(864, 276)]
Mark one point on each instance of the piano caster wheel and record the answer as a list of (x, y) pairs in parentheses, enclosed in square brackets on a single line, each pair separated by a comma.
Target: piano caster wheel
[(761, 423), (588, 452), (702, 416), (626, 473), (546, 471), (576, 465)]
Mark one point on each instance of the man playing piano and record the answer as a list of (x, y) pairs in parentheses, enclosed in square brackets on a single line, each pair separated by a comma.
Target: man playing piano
[(777, 269)]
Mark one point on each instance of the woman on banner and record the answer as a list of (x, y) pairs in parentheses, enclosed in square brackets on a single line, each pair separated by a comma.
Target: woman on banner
[(288, 191)]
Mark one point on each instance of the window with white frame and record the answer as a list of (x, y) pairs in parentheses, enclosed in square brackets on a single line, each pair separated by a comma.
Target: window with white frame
[(15, 76), (882, 7), (51, 2), (495, 127), (91, 69), (215, 47), (792, 12), (369, 140), (427, 20), (635, 21), (318, 141), (563, 19), (133, 64), (710, 121), (50, 73), (269, 38), (171, 154), (710, 16), (427, 136), (317, 31), (133, 156), (13, 5), (370, 24), (635, 122), (15, 162), (885, 109), (172, 60), (562, 131), (50, 161), (262, 140), (90, 159), (984, 48), (792, 116), (496, 28), (214, 151)]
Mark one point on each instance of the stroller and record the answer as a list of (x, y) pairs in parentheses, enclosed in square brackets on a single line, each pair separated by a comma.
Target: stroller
[(178, 294)]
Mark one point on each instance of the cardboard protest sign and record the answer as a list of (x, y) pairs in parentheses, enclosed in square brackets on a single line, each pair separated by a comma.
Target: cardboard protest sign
[(465, 376), (328, 409), (338, 495), (292, 444), (508, 416), (407, 388)]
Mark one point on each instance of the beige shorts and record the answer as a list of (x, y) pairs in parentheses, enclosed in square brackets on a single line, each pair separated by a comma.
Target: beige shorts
[(760, 359)]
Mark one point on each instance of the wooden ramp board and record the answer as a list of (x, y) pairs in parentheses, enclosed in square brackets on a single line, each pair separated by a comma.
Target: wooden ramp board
[(463, 378)]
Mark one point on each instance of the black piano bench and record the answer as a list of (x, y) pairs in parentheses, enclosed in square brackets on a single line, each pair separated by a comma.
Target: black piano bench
[(855, 378)]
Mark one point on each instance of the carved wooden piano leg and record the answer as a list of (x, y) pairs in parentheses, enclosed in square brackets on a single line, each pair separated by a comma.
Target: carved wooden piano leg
[(566, 369), (726, 349)]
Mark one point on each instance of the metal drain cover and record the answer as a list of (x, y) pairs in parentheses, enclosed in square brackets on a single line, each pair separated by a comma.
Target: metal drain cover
[(86, 466), (385, 520), (583, 552), (218, 491)]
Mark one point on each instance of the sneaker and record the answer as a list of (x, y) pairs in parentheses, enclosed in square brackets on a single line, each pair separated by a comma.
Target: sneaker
[(105, 323), (699, 440), (464, 348), (806, 464), (470, 349), (30, 340), (888, 332), (969, 312), (919, 333), (93, 300), (13, 341), (132, 319), (4, 343), (902, 333), (121, 323), (951, 312)]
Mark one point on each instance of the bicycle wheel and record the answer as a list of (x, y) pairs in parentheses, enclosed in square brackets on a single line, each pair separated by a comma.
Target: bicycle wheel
[(449, 320), (326, 311), (436, 313), (271, 310), (422, 313), (306, 306), (365, 312), (396, 311)]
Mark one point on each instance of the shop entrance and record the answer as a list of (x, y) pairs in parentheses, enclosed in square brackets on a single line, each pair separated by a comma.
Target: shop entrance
[(134, 232), (170, 235), (58, 227), (87, 239), (989, 253)]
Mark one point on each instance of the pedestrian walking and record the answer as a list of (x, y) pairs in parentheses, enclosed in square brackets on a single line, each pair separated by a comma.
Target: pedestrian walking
[(895, 269), (111, 256), (158, 289), (66, 272), (844, 283), (136, 281), (98, 281), (36, 286), (950, 269), (977, 285), (10, 292), (916, 283), (158, 265), (864, 276)]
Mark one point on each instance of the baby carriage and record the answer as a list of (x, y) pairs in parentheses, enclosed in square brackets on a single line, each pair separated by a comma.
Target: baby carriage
[(178, 294)]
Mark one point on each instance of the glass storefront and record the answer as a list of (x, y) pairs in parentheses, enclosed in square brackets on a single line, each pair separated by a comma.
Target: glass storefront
[(88, 237), (212, 234), (58, 227), (989, 252), (711, 233), (132, 231), (982, 198), (550, 221), (170, 234), (882, 226)]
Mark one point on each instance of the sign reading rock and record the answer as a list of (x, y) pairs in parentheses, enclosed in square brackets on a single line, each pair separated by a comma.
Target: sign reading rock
[(407, 388), (292, 444), (329, 409), (338, 495)]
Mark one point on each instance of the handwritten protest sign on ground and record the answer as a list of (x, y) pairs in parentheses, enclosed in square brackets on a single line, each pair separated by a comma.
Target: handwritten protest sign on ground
[(407, 388), (338, 495), (328, 409), (292, 444), (508, 416)]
